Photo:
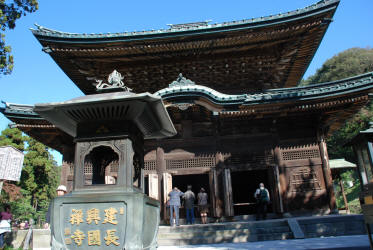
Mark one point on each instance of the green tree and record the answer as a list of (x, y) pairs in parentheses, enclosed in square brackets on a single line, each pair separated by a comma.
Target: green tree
[(39, 178), (348, 63), (10, 11), (12, 137), (351, 62)]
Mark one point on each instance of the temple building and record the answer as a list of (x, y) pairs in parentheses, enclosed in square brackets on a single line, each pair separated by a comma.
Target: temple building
[(231, 92)]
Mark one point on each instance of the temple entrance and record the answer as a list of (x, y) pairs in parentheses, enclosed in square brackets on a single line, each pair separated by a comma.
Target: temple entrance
[(197, 181), (244, 184)]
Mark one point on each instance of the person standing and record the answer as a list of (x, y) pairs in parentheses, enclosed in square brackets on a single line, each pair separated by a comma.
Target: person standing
[(61, 191), (6, 217), (202, 205), (175, 195), (189, 198), (262, 199)]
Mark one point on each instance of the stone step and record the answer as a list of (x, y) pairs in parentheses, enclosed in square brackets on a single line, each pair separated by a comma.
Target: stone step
[(272, 229), (218, 233), (242, 231), (205, 240), (226, 226)]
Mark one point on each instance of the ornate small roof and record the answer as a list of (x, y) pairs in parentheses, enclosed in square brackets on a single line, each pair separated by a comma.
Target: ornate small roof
[(145, 110)]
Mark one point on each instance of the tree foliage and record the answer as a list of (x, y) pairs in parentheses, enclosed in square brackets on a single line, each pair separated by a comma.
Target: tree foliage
[(12, 137), (351, 62), (39, 178), (351, 128), (10, 11)]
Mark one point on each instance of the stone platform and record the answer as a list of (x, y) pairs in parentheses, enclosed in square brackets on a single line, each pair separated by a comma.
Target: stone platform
[(239, 231), (271, 229)]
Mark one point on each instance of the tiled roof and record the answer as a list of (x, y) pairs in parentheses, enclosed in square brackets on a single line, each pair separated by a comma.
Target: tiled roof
[(197, 26)]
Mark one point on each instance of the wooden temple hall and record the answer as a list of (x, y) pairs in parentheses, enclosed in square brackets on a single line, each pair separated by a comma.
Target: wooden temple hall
[(231, 92)]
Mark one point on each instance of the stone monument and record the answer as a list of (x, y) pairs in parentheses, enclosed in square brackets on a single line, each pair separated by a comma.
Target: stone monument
[(108, 211)]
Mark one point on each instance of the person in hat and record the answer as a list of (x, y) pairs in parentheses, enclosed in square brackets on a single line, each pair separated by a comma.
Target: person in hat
[(61, 191), (202, 205)]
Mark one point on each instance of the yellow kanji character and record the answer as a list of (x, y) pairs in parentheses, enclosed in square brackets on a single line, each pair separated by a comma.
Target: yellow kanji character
[(111, 237), (67, 231), (93, 215), (78, 237), (110, 216), (68, 241), (76, 217), (94, 238)]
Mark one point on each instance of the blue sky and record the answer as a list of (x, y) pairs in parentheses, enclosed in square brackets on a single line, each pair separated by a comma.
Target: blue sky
[(37, 79)]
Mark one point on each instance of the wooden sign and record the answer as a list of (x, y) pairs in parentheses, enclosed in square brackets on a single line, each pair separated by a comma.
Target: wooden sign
[(11, 162)]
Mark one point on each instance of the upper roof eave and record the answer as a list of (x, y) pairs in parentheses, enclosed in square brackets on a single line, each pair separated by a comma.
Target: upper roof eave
[(47, 34), (315, 92), (358, 83)]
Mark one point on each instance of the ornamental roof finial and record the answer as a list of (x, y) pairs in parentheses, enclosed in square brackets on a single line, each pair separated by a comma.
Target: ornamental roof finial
[(181, 81), (114, 82)]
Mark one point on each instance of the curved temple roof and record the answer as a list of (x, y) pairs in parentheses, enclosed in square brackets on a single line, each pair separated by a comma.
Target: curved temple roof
[(249, 55), (197, 26), (343, 98), (324, 90)]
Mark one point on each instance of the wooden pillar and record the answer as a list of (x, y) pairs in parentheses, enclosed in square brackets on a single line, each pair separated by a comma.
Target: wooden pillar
[(343, 193), (161, 169), (278, 186), (214, 186), (363, 174), (327, 175), (227, 187)]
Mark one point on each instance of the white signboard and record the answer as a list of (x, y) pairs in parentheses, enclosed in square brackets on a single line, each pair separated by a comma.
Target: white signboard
[(11, 162)]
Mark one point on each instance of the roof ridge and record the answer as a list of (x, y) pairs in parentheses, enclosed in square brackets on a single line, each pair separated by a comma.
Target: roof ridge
[(192, 26)]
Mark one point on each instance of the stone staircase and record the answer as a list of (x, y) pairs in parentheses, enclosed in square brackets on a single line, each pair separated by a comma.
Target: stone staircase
[(272, 229)]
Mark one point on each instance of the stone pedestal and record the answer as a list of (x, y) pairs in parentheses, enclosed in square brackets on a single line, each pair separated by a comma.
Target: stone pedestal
[(109, 220)]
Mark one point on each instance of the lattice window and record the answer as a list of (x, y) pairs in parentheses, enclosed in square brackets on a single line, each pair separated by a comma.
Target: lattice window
[(207, 162), (88, 168), (304, 180), (174, 164), (150, 165), (251, 158), (300, 154), (114, 167), (199, 162)]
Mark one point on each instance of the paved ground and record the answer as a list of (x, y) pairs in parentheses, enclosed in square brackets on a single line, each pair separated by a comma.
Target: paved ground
[(355, 242)]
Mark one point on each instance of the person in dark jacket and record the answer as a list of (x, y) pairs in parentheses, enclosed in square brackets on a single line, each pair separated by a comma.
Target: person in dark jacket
[(175, 195), (189, 198), (262, 199)]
